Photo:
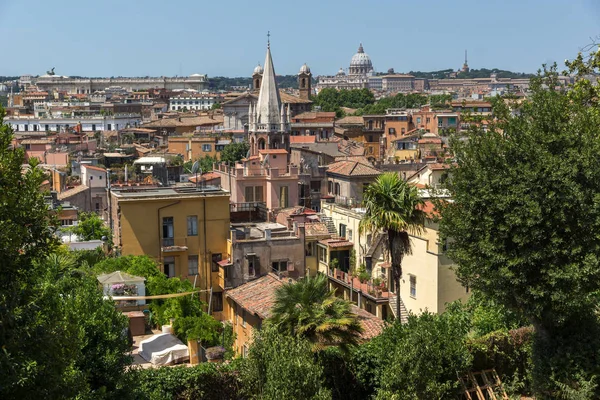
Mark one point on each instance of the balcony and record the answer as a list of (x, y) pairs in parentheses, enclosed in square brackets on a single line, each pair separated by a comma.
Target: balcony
[(353, 282), (174, 245)]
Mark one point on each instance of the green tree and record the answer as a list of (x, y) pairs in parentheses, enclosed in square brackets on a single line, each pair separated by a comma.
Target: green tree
[(91, 227), (421, 359), (234, 152), (206, 163), (308, 309), (36, 354), (393, 206), (280, 366), (522, 221), (216, 106)]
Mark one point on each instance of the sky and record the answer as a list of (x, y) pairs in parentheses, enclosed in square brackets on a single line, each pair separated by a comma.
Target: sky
[(228, 37)]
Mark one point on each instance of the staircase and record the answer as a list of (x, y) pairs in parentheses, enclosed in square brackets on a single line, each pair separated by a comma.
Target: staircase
[(403, 311), (330, 225)]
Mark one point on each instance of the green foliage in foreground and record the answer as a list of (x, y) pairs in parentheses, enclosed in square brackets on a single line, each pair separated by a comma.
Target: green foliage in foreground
[(282, 367), (522, 223)]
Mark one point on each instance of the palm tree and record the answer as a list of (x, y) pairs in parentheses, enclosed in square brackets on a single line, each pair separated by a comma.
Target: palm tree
[(393, 206), (309, 309)]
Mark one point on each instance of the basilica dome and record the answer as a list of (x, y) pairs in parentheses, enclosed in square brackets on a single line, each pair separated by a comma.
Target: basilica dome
[(258, 69), (360, 63)]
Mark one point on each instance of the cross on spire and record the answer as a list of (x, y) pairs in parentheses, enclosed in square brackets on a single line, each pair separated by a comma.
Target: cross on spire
[(269, 39)]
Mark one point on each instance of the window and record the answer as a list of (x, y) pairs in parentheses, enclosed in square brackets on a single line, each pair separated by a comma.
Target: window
[(310, 249), (249, 194), (169, 266), (330, 187), (100, 177), (427, 120), (245, 351), (350, 234), (392, 131), (283, 197), (337, 189), (215, 262), (418, 120), (343, 230), (206, 147), (26, 128), (279, 266), (322, 254), (258, 193), (109, 127), (94, 127), (47, 127), (168, 231), (217, 301), (219, 147), (192, 225), (192, 265), (413, 286), (251, 265), (403, 130)]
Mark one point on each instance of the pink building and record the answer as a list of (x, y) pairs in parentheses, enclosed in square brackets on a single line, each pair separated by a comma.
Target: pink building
[(264, 178)]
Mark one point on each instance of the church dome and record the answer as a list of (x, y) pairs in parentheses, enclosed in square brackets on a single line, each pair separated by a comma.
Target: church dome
[(361, 62), (305, 69), (258, 70), (341, 72)]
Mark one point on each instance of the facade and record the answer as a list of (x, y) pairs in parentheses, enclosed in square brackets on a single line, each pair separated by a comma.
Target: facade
[(58, 83), (398, 83), (26, 123), (266, 177), (193, 101), (259, 248), (359, 73), (313, 123), (193, 147), (184, 228), (428, 280), (347, 180), (95, 178)]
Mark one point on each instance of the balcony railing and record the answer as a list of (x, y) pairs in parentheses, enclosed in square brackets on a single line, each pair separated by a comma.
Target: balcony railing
[(171, 245), (368, 287)]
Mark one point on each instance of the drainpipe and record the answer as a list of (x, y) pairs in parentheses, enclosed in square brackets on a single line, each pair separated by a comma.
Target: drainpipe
[(158, 219), (206, 265)]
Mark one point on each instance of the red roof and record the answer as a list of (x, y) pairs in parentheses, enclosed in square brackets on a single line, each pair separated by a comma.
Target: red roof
[(336, 242), (352, 168), (257, 296), (372, 326), (273, 151), (303, 139), (92, 167)]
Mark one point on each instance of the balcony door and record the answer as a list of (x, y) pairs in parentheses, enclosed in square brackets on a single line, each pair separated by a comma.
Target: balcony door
[(168, 232)]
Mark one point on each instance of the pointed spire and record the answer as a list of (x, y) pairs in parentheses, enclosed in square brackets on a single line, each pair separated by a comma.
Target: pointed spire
[(269, 103), (466, 57)]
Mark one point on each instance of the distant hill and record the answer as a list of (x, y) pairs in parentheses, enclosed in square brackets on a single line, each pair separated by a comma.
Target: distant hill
[(474, 73)]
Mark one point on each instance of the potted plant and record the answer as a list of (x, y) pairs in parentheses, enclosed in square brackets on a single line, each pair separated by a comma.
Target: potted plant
[(215, 354)]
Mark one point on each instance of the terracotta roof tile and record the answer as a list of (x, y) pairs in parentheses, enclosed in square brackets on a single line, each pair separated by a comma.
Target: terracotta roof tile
[(372, 326), (92, 167), (257, 296), (350, 120), (352, 168), (273, 151), (302, 139), (336, 242)]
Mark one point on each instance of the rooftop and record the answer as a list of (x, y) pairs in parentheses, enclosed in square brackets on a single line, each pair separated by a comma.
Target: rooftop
[(352, 168), (152, 193), (257, 296)]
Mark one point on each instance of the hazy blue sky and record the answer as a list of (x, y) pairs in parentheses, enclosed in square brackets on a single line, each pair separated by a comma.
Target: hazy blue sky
[(228, 37)]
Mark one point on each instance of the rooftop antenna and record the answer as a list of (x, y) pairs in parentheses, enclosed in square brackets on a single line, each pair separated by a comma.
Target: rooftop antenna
[(195, 167)]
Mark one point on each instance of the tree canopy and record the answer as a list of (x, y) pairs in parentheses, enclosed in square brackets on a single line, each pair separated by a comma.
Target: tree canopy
[(91, 227), (308, 309), (525, 206), (234, 152)]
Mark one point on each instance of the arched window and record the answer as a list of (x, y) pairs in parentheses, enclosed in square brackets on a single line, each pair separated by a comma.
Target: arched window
[(337, 189), (261, 144), (303, 82), (330, 187)]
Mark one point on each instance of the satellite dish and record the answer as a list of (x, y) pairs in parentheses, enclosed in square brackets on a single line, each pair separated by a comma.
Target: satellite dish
[(195, 167)]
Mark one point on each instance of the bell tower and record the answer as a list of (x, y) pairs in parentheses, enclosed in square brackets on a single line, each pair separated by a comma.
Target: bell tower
[(257, 77), (305, 82)]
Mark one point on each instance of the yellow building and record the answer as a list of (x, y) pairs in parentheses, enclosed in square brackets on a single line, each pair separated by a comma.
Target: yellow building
[(184, 228), (193, 147)]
